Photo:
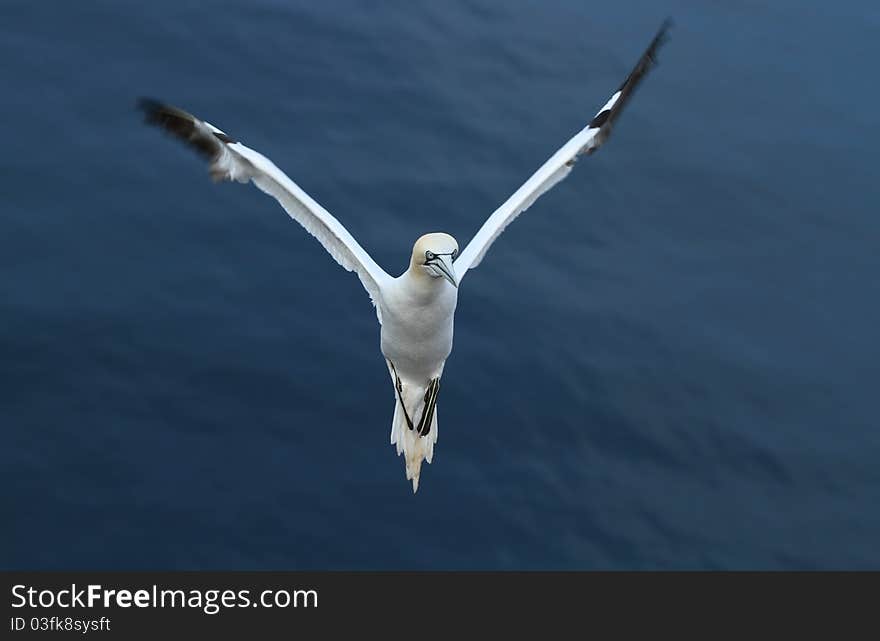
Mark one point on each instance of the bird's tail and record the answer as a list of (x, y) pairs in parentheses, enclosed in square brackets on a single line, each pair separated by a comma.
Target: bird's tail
[(414, 447)]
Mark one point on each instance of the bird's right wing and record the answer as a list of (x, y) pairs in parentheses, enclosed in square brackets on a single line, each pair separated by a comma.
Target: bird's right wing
[(231, 160), (560, 164)]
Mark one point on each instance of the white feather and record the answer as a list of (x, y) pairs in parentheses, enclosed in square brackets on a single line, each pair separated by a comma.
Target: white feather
[(241, 163)]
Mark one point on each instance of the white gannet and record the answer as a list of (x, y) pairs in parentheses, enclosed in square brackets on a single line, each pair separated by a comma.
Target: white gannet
[(417, 308)]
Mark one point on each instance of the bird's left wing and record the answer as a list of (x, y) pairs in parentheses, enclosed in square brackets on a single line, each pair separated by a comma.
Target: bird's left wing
[(231, 160), (559, 165)]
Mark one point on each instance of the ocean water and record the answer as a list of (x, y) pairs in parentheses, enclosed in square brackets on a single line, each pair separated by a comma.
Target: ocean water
[(670, 361)]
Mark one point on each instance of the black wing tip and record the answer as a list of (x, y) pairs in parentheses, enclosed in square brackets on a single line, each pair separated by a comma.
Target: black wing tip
[(154, 110), (181, 125), (157, 112), (605, 118), (649, 58), (150, 106), (666, 25), (660, 39)]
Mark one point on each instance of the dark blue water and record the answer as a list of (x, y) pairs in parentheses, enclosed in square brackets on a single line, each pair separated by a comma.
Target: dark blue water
[(670, 361)]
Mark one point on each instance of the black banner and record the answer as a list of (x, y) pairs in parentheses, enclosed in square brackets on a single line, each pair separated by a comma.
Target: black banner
[(127, 605)]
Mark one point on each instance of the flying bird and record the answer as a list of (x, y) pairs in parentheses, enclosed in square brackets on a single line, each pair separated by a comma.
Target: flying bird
[(416, 309)]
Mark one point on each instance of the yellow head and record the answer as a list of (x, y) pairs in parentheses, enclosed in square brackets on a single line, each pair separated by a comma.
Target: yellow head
[(433, 255)]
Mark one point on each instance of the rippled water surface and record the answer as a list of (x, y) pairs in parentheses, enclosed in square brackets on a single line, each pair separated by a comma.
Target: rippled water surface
[(670, 361)]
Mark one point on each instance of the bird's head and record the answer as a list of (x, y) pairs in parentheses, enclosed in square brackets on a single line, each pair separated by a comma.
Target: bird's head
[(434, 253)]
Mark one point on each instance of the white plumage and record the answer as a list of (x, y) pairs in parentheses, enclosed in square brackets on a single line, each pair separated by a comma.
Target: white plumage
[(416, 309)]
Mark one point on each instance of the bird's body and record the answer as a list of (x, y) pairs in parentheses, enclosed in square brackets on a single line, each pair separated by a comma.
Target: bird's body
[(418, 316), (416, 310), (417, 323)]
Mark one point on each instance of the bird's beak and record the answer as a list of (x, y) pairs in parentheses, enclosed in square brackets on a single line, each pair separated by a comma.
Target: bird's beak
[(444, 264)]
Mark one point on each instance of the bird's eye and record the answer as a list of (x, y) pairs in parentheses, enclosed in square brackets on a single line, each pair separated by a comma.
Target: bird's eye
[(454, 254), (429, 256)]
